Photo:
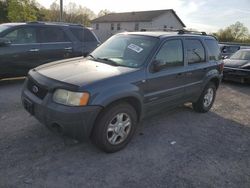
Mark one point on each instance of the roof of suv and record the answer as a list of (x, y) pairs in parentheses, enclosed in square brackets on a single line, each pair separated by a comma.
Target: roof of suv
[(164, 34), (43, 23)]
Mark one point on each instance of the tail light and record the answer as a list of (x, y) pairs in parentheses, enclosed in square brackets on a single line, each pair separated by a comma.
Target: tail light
[(221, 67)]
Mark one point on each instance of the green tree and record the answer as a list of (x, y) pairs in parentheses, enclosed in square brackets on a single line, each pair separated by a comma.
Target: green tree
[(22, 10), (234, 33)]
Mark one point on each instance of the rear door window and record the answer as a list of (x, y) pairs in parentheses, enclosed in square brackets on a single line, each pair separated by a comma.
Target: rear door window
[(195, 51), (52, 35), (83, 34)]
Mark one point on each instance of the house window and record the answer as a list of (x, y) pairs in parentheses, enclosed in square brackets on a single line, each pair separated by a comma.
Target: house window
[(97, 26), (112, 27), (118, 26), (136, 26)]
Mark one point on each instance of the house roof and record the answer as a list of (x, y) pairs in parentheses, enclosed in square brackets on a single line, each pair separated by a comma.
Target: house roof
[(142, 16)]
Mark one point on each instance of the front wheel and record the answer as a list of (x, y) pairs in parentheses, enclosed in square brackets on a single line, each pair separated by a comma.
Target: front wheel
[(115, 127), (206, 100)]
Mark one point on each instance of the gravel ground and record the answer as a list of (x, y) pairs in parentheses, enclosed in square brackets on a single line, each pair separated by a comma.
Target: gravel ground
[(179, 148)]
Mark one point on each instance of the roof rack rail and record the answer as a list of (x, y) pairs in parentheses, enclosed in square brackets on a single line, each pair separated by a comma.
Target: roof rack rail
[(56, 23), (183, 31)]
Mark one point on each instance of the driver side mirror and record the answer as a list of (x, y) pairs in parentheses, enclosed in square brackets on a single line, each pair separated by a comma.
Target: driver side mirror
[(4, 42), (157, 65)]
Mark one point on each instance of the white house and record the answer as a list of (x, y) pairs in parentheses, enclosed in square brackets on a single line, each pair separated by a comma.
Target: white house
[(113, 23)]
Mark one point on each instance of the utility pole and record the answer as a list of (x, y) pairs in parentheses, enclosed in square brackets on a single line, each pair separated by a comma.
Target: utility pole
[(61, 10)]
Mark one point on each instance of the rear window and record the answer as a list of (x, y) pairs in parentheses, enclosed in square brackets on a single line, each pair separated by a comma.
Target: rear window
[(213, 49), (83, 34)]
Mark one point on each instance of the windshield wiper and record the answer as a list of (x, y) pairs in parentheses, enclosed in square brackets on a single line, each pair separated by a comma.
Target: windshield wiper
[(109, 61), (90, 55)]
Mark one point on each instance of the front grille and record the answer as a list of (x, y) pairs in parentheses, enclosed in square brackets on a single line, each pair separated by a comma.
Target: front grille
[(37, 89)]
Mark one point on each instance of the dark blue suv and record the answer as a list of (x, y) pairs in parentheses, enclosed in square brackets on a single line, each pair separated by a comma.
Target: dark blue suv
[(27, 45), (131, 75)]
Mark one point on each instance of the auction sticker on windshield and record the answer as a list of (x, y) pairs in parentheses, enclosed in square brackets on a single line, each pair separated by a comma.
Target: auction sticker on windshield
[(135, 48)]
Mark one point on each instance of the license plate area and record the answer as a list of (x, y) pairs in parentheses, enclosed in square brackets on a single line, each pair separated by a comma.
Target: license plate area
[(28, 105)]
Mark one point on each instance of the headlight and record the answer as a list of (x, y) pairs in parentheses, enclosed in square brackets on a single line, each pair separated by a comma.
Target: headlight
[(71, 98)]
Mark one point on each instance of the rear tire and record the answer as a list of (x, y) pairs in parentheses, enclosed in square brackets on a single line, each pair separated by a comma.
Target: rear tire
[(115, 127), (206, 100)]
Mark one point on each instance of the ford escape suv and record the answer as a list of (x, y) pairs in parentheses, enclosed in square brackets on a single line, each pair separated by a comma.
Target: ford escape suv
[(27, 45), (131, 75)]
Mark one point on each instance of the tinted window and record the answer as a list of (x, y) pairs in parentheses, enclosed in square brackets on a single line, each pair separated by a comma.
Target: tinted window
[(171, 53), (83, 35), (22, 36), (52, 34), (195, 51), (213, 49)]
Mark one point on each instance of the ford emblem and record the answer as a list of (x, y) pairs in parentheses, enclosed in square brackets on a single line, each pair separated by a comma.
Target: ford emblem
[(35, 89)]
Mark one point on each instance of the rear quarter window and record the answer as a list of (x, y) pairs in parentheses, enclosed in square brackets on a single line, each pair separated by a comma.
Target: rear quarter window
[(213, 49), (83, 34)]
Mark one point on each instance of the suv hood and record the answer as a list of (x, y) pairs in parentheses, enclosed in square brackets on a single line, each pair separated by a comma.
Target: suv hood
[(80, 71), (235, 63)]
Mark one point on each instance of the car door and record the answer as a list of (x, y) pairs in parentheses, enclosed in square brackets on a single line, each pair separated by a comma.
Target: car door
[(165, 87), (21, 54), (197, 66), (55, 44)]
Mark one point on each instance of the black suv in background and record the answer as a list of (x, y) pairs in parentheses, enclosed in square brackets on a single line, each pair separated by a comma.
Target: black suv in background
[(27, 45), (128, 77)]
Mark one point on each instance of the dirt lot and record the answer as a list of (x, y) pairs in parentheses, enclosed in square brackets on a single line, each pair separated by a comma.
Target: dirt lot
[(180, 148)]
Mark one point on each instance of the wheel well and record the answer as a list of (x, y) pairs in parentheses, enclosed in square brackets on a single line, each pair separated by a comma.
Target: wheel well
[(216, 81), (134, 102)]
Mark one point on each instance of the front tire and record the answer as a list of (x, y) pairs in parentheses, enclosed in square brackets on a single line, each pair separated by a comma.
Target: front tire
[(206, 100), (115, 127)]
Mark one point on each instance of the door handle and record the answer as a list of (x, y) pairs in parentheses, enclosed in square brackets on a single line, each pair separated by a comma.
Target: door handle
[(68, 48), (189, 73), (34, 50), (178, 74), (205, 69)]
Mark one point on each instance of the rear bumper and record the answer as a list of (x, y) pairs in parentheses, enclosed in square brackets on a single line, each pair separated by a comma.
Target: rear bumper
[(76, 122), (236, 74)]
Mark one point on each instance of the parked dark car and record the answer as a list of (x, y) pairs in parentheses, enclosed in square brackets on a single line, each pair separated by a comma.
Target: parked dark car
[(228, 49), (27, 45), (131, 75), (237, 67)]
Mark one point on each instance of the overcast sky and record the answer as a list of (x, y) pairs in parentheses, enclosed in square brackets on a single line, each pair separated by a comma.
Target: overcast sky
[(205, 15)]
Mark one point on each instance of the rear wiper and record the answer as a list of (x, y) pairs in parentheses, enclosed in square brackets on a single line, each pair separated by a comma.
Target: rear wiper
[(111, 62)]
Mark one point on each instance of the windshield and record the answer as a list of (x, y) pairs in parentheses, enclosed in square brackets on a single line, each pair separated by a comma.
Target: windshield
[(241, 55), (3, 27), (125, 50)]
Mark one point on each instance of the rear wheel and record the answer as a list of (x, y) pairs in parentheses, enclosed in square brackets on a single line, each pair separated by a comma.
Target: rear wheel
[(115, 127), (206, 100)]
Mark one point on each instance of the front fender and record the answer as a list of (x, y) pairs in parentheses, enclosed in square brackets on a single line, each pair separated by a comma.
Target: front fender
[(116, 92)]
